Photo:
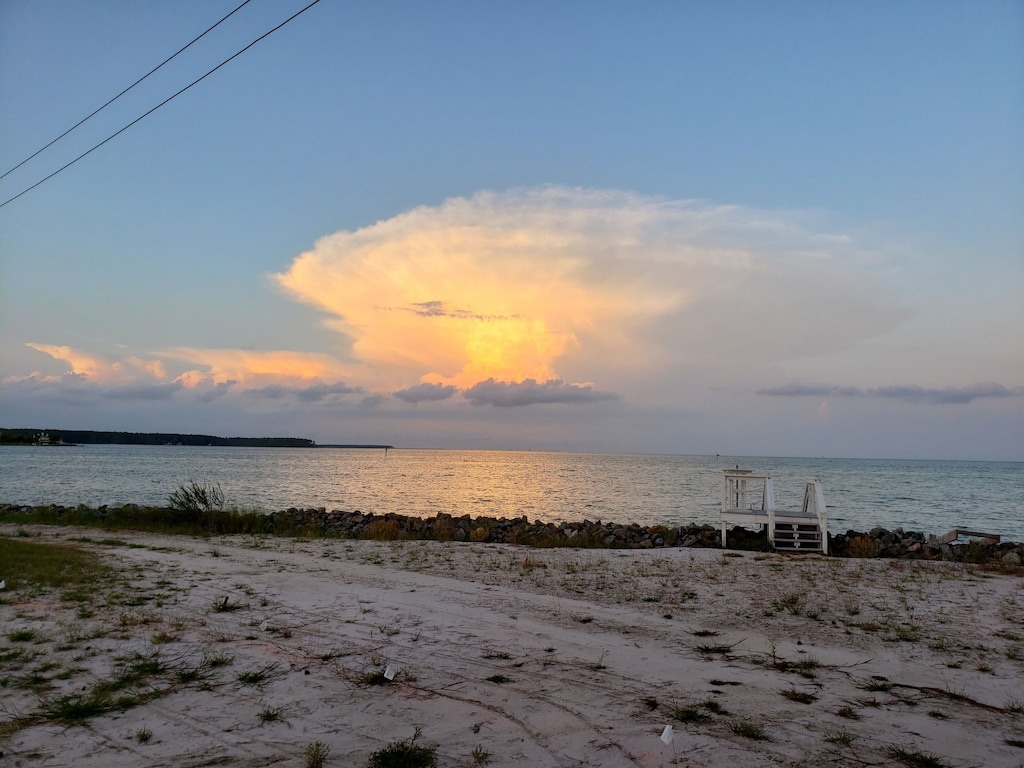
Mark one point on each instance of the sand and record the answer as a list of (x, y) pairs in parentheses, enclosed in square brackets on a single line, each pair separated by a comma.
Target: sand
[(506, 656)]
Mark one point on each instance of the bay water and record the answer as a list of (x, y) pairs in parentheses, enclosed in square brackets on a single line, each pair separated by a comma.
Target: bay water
[(928, 496)]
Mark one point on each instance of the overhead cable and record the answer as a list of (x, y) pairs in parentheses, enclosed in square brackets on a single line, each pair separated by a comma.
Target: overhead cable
[(162, 103), (122, 93)]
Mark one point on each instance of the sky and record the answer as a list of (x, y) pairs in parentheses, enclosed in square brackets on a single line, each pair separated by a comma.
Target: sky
[(748, 228)]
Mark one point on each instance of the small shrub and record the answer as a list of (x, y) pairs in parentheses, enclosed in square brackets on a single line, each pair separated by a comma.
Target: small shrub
[(878, 684), (268, 715), (842, 736), (863, 546), (916, 759), (748, 730), (382, 530), (257, 677), (405, 754), (193, 497), (22, 635), (143, 735), (316, 754), (690, 713), (480, 756), (801, 697)]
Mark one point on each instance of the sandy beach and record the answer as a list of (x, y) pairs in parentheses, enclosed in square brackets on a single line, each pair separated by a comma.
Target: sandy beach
[(247, 650)]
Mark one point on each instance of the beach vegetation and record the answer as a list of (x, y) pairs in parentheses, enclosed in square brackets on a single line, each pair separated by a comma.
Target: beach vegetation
[(269, 715), (690, 713), (916, 759), (480, 756), (316, 754), (406, 754), (143, 735), (258, 677), (862, 546), (749, 729), (801, 697), (877, 684), (842, 736), (22, 635), (794, 602), (41, 566), (197, 497)]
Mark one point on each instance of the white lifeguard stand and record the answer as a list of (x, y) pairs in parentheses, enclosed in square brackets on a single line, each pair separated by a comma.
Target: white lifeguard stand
[(748, 498)]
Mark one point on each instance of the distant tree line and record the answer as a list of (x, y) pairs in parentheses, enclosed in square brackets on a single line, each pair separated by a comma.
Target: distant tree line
[(90, 437)]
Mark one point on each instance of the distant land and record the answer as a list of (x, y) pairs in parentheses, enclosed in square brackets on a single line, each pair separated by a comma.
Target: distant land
[(91, 437)]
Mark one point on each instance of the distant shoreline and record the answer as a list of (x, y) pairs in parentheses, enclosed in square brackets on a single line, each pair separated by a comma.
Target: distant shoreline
[(65, 437)]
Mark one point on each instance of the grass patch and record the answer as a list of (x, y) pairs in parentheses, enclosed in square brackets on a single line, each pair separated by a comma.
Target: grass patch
[(749, 730), (916, 759), (35, 565), (22, 635), (877, 685), (316, 754), (268, 715), (405, 754), (258, 677), (801, 697)]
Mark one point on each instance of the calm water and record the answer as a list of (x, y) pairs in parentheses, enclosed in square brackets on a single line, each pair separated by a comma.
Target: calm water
[(930, 496)]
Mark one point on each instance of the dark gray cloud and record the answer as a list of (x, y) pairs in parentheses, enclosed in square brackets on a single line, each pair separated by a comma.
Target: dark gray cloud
[(810, 390), (425, 392), (913, 394), (530, 392), (141, 391), (312, 394), (207, 394)]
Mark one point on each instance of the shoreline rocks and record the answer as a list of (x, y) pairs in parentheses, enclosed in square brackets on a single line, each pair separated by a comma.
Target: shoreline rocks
[(878, 542)]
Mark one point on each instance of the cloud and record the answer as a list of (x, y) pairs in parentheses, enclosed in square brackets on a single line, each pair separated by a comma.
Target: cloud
[(311, 394), (426, 392), (946, 395), (530, 392), (914, 394), (142, 391), (615, 287), (257, 368)]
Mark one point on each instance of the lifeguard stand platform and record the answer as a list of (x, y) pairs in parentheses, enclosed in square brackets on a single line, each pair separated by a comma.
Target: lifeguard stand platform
[(748, 498)]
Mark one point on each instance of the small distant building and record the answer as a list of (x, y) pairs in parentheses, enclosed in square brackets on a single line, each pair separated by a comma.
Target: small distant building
[(43, 439)]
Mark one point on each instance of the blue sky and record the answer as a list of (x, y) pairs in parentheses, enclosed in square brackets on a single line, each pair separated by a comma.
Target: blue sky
[(775, 228)]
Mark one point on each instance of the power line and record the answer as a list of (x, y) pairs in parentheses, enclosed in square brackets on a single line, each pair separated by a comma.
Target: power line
[(165, 101), (122, 93)]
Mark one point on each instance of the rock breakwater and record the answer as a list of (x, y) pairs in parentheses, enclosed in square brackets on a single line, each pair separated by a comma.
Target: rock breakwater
[(878, 542)]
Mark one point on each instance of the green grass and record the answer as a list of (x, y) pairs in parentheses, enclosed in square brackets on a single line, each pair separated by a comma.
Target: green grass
[(258, 677), (190, 522), (316, 754), (801, 697), (749, 730), (916, 759), (40, 565), (22, 635), (405, 754)]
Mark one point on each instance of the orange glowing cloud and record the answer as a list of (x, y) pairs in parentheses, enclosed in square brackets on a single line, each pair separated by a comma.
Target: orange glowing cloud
[(97, 368), (252, 367), (493, 287)]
